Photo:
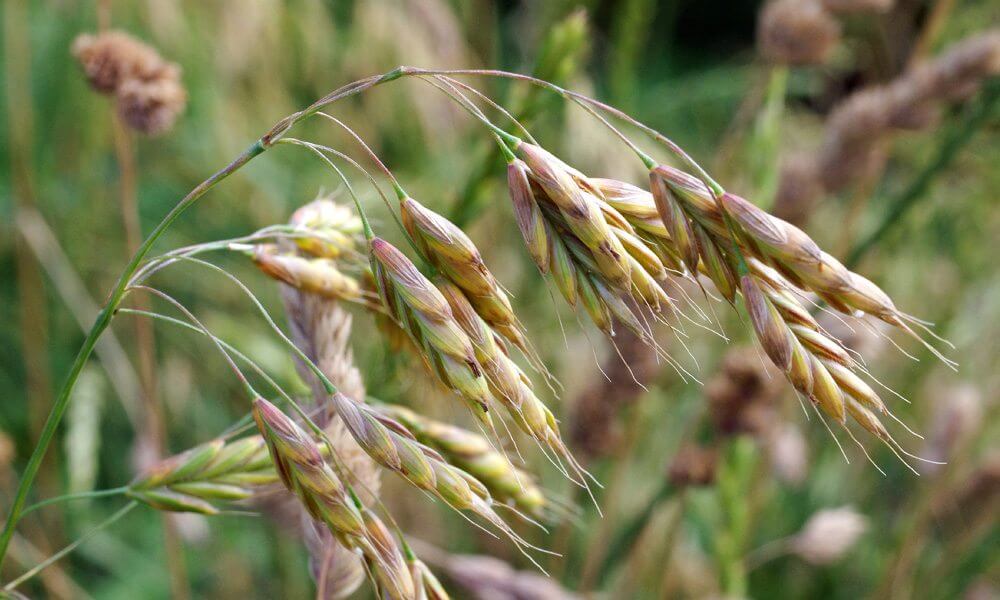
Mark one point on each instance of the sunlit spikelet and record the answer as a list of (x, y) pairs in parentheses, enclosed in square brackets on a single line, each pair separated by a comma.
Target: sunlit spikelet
[(313, 275), (420, 309), (451, 251), (474, 454)]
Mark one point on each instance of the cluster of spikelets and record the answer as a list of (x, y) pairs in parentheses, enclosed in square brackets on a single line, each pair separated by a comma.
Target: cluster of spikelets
[(611, 248), (214, 471), (147, 89), (620, 241), (331, 501)]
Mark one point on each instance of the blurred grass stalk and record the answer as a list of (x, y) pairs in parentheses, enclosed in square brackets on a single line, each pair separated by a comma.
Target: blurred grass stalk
[(734, 480), (31, 293), (153, 431), (956, 138)]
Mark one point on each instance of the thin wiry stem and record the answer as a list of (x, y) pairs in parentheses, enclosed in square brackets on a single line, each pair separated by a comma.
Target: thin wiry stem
[(77, 496), (71, 547), (656, 135)]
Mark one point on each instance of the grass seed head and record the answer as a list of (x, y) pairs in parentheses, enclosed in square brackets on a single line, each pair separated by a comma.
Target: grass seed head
[(214, 471), (319, 276), (336, 228)]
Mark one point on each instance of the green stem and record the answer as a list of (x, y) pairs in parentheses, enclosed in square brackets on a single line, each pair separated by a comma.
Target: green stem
[(947, 152), (102, 323), (77, 496), (620, 548)]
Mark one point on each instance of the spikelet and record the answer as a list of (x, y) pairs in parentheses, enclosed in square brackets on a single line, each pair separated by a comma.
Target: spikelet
[(508, 384), (580, 211), (580, 271), (816, 364), (319, 276), (786, 248), (420, 309), (303, 470), (333, 230), (451, 251), (391, 444), (474, 454), (214, 471)]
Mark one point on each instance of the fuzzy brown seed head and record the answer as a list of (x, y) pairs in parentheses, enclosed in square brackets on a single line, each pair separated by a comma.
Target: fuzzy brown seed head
[(692, 466), (151, 106), (796, 32), (111, 58), (742, 396)]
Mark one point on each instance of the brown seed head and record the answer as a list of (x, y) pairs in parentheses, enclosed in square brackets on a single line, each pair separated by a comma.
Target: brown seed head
[(796, 32), (111, 58), (151, 106)]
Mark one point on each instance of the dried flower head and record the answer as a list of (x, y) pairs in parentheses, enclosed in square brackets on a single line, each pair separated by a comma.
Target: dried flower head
[(692, 465), (798, 191), (828, 535), (958, 412), (151, 106), (148, 90), (911, 101), (114, 57), (858, 6), (788, 454), (796, 32), (742, 395)]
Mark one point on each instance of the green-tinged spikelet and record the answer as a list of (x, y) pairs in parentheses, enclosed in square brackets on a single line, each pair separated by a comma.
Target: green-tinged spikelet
[(214, 471)]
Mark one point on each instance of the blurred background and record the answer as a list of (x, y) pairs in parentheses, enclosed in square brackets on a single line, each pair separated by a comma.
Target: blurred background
[(816, 111)]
